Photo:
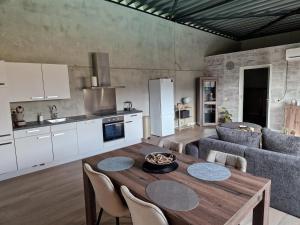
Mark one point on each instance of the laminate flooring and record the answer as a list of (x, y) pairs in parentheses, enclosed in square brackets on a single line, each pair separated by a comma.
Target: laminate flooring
[(55, 196)]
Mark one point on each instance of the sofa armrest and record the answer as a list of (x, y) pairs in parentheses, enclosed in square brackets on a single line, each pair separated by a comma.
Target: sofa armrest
[(192, 149), (207, 144), (284, 172)]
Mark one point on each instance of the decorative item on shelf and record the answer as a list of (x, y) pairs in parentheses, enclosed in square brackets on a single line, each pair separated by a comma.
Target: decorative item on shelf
[(18, 116), (225, 116), (186, 100)]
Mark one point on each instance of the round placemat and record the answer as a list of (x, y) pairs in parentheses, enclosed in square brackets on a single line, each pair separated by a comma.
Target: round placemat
[(149, 149), (209, 171), (172, 195), (117, 163)]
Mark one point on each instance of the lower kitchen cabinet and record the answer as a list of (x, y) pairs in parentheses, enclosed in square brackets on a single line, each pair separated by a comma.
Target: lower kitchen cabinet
[(7, 157), (133, 128), (64, 144), (90, 136), (33, 151)]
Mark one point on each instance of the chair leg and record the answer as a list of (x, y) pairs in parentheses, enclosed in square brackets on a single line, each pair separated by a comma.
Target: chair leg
[(99, 216), (117, 221)]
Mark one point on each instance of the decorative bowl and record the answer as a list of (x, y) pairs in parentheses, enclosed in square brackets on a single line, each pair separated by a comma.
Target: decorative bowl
[(160, 158)]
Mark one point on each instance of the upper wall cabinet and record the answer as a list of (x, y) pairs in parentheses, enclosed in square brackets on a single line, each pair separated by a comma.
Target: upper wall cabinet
[(36, 82), (56, 81), (25, 81)]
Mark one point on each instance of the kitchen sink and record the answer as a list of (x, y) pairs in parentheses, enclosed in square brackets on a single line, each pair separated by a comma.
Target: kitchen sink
[(58, 120)]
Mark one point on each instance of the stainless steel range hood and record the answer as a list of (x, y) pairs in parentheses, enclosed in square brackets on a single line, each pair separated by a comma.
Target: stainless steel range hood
[(101, 69)]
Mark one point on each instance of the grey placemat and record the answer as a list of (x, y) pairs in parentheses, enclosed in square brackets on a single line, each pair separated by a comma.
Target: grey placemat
[(172, 195), (149, 149), (117, 163), (209, 171)]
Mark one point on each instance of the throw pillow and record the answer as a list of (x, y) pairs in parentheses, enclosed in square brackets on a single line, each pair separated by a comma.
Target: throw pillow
[(250, 139), (278, 142)]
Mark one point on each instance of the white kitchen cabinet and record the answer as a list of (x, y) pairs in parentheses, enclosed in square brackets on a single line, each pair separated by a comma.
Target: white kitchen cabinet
[(25, 81), (90, 136), (6, 132), (33, 151), (133, 128), (7, 157), (3, 79), (56, 81), (64, 140)]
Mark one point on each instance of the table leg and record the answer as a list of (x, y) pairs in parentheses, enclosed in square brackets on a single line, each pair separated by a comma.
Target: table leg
[(89, 197), (261, 211)]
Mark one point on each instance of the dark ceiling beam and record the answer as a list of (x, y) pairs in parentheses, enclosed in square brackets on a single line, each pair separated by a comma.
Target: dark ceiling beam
[(141, 3), (151, 4), (246, 16), (177, 18), (131, 2), (293, 12), (173, 10)]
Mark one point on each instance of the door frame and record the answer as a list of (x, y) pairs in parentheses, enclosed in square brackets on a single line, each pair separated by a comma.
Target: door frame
[(241, 90)]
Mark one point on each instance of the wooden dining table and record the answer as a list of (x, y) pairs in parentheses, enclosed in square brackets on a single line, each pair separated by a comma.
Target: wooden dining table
[(225, 202)]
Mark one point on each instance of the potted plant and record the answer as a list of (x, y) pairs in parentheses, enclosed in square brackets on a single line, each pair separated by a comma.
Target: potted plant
[(225, 116)]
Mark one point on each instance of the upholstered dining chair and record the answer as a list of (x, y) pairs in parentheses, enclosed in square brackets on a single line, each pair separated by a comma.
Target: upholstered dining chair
[(228, 160), (171, 145), (143, 213), (106, 196)]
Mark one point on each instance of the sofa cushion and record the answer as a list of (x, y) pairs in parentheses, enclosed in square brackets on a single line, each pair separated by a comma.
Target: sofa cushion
[(236, 125), (250, 139), (274, 141)]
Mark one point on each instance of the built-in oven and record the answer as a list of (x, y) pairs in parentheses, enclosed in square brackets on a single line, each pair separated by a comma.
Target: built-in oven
[(113, 128)]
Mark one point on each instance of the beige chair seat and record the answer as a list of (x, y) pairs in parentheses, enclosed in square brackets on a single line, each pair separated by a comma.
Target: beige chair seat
[(143, 213), (106, 196), (171, 145), (228, 160)]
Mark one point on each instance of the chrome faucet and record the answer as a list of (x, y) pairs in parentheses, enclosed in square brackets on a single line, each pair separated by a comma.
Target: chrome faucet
[(53, 112)]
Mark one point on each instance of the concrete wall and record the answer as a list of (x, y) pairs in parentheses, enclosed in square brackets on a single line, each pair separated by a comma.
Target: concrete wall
[(272, 40), (229, 79), (141, 47)]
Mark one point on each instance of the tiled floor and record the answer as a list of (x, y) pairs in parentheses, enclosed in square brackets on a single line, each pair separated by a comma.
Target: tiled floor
[(55, 196)]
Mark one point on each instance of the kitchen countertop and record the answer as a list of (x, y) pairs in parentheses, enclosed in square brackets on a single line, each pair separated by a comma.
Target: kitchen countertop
[(73, 119)]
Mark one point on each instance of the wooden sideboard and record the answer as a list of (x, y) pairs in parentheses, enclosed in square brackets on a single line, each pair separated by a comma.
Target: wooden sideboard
[(292, 118)]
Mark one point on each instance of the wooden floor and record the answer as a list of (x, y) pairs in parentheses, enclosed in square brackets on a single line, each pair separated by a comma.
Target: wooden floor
[(55, 196)]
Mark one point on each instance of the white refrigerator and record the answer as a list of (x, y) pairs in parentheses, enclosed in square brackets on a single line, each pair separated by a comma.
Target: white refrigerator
[(162, 115)]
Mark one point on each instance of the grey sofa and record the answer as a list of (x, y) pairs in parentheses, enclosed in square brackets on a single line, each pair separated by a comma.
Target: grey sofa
[(283, 169)]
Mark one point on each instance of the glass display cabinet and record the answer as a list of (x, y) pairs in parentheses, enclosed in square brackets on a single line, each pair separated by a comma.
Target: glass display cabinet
[(207, 101)]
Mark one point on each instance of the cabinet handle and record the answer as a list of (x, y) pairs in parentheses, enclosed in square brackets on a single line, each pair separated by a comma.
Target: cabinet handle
[(7, 143), (129, 121), (37, 97), (2, 84), (52, 96), (133, 115), (58, 134), (5, 135), (43, 137), (33, 131)]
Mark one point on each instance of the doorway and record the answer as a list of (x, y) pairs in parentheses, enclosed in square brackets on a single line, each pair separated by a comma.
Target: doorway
[(254, 86)]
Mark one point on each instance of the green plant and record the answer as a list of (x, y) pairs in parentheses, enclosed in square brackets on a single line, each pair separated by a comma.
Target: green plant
[(225, 116)]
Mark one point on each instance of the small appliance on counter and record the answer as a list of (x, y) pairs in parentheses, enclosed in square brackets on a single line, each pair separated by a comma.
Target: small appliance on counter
[(18, 117), (128, 106)]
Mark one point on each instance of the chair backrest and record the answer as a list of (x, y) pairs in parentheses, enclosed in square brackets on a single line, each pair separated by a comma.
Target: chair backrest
[(143, 212), (105, 193), (171, 145), (227, 159)]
